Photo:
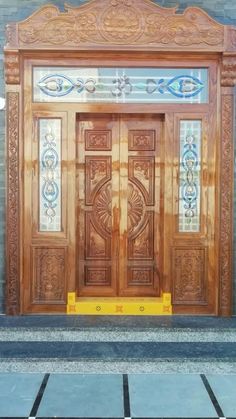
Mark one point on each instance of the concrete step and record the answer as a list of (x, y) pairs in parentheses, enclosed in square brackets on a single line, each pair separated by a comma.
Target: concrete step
[(91, 344), (59, 334)]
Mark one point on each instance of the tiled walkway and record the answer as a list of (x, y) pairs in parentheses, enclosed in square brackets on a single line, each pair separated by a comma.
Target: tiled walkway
[(117, 396)]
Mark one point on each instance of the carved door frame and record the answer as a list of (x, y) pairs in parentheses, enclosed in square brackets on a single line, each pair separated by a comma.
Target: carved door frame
[(95, 27)]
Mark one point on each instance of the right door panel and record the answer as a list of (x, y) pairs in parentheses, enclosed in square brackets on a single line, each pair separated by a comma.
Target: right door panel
[(140, 179)]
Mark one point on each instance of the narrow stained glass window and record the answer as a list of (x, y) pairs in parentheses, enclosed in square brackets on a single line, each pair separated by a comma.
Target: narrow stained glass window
[(50, 174), (190, 176)]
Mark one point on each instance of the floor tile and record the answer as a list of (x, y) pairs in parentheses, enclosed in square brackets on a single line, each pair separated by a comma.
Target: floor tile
[(18, 393), (169, 395), (224, 388), (81, 395)]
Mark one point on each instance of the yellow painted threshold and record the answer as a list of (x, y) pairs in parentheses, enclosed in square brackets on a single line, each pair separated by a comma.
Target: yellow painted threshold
[(118, 306)]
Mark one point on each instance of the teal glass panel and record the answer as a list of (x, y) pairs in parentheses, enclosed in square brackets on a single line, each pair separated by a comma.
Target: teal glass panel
[(120, 85), (190, 176)]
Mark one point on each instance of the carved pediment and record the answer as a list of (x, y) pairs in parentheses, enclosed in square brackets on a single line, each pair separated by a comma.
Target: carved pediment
[(112, 24)]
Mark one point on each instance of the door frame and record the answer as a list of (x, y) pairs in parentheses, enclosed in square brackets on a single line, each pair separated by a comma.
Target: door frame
[(209, 40)]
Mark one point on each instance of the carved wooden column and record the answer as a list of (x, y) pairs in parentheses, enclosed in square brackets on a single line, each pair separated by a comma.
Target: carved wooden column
[(12, 77), (228, 81)]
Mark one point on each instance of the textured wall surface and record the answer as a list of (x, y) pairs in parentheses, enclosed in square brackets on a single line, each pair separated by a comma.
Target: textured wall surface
[(16, 10)]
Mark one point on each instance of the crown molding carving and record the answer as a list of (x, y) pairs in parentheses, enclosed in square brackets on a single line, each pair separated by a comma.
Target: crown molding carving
[(117, 24)]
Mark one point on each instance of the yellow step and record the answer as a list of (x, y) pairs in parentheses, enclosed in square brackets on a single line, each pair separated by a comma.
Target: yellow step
[(118, 306)]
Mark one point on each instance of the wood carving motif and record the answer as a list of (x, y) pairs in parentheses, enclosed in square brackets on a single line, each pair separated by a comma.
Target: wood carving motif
[(226, 220), (98, 276), (12, 67), (13, 238), (117, 22), (98, 242), (141, 246), (98, 172), (135, 208), (141, 173), (98, 140), (141, 276), (189, 282), (140, 140), (228, 73), (49, 275)]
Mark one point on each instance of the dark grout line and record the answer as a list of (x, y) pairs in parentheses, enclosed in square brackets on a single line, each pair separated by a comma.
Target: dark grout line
[(146, 417), (126, 396), (212, 396), (39, 396)]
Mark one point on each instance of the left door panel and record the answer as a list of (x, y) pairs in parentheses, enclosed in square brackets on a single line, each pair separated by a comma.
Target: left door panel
[(98, 204)]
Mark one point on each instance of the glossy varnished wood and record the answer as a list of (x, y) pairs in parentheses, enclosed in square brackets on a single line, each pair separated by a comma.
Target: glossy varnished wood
[(30, 252)]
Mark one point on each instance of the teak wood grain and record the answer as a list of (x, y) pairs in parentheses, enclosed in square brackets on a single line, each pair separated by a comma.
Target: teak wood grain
[(43, 266)]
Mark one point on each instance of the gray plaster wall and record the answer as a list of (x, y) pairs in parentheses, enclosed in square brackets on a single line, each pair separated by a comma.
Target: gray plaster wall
[(16, 10)]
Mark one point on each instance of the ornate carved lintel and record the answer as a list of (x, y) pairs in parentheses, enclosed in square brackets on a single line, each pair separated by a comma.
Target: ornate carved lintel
[(118, 23), (226, 212), (228, 73), (13, 240), (12, 67)]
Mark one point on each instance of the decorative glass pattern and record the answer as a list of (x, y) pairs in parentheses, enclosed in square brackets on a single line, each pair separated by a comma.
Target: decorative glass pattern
[(50, 174), (120, 85), (190, 175)]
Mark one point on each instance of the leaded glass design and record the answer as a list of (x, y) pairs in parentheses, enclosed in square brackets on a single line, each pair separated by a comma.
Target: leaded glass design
[(120, 85), (50, 174), (190, 176)]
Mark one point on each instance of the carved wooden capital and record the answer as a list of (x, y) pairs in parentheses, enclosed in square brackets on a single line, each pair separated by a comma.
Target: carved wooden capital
[(12, 67), (226, 213), (110, 23), (13, 242), (228, 72)]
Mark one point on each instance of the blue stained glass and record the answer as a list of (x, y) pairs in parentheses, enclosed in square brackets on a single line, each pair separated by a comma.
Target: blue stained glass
[(190, 175), (121, 85), (50, 174)]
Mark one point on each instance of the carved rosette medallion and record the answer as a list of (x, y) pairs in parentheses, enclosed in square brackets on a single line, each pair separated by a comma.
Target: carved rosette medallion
[(121, 22), (13, 240)]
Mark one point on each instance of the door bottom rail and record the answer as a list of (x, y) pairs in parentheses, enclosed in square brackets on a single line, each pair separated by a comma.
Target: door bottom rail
[(115, 306)]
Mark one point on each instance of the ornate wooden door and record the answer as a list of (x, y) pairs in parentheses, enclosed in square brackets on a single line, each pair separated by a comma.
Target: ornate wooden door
[(118, 212)]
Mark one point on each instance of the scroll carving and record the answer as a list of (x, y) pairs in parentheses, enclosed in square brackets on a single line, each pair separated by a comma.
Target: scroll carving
[(13, 239), (49, 275), (226, 205), (118, 22), (228, 74), (12, 67), (188, 267)]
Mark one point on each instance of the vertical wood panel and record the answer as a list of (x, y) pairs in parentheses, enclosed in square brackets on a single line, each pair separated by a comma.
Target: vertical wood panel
[(13, 209), (226, 219)]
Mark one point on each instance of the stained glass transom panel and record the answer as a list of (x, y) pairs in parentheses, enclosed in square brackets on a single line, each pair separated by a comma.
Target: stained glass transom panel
[(120, 85), (190, 176), (50, 174)]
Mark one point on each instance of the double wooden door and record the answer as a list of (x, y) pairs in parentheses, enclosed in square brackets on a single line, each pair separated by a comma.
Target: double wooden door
[(118, 205)]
